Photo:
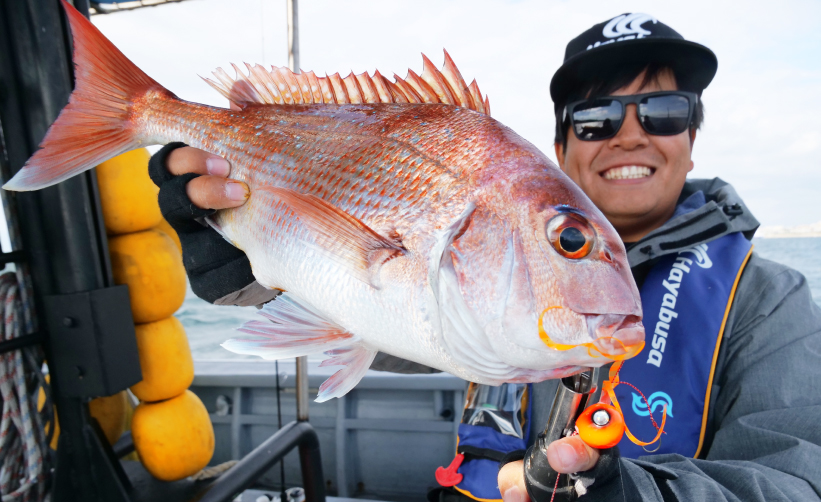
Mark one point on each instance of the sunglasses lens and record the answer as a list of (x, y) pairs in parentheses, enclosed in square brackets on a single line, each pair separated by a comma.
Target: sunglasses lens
[(597, 119), (665, 114)]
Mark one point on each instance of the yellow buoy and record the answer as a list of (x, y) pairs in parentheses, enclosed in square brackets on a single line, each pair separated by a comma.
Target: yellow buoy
[(110, 412), (173, 438), (150, 264), (127, 194), (165, 358), (164, 227)]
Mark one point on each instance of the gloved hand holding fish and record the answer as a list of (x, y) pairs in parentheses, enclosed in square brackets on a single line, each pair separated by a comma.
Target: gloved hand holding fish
[(395, 216)]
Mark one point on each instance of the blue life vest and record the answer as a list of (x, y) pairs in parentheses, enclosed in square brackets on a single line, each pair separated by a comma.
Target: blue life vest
[(685, 299), (481, 467), (489, 434)]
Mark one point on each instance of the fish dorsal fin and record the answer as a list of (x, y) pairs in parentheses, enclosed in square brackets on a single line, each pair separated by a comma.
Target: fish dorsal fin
[(279, 86), (342, 237)]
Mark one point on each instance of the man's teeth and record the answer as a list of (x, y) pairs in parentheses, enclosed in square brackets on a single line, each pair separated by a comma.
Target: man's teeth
[(627, 173)]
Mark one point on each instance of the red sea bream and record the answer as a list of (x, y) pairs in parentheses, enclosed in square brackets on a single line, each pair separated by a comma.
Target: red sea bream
[(396, 216)]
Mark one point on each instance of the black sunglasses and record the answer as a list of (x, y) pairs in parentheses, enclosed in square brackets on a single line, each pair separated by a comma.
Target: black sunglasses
[(663, 113)]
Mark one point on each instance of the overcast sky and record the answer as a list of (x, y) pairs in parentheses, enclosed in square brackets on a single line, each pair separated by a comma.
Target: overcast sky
[(762, 131)]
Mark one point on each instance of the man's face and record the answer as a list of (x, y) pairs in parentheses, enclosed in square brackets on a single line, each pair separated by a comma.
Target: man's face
[(644, 198)]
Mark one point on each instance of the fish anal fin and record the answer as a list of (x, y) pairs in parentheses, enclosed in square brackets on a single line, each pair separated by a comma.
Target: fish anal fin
[(279, 85), (346, 239), (356, 361), (292, 328)]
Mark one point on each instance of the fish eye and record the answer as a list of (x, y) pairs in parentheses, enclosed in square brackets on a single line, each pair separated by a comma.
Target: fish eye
[(571, 235), (571, 239)]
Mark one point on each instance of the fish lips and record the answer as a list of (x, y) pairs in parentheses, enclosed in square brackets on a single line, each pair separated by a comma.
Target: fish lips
[(615, 336), (610, 336)]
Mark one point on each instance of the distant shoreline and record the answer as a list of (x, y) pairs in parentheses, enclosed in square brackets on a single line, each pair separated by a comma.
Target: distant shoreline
[(781, 232)]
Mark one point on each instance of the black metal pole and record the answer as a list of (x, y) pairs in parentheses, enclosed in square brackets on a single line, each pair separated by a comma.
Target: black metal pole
[(61, 226), (265, 456), (20, 342)]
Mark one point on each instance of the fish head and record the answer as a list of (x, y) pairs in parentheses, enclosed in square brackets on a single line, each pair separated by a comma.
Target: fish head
[(546, 275)]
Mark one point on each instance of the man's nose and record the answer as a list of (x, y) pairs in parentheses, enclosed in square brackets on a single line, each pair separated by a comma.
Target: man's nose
[(631, 135)]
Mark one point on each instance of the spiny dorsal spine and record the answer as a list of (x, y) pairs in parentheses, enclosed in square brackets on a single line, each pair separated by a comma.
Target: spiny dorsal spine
[(281, 86)]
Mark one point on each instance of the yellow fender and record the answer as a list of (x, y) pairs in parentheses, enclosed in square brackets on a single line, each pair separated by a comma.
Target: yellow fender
[(165, 359), (173, 438), (151, 265), (127, 194)]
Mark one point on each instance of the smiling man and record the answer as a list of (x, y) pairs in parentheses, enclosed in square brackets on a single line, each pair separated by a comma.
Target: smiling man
[(733, 340), (635, 176)]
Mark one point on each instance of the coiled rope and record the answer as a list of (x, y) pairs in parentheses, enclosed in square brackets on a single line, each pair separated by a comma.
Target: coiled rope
[(23, 442)]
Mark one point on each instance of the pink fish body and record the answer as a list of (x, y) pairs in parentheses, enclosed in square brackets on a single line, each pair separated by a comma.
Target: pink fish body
[(405, 220)]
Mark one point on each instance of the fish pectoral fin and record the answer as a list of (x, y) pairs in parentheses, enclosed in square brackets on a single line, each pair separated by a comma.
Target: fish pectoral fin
[(344, 238), (292, 328), (356, 361)]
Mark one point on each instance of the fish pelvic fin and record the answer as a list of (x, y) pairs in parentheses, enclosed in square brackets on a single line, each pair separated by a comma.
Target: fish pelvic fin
[(292, 328), (96, 123), (281, 86), (356, 361), (344, 238)]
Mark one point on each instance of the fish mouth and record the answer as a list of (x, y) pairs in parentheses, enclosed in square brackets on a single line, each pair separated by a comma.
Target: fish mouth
[(614, 336)]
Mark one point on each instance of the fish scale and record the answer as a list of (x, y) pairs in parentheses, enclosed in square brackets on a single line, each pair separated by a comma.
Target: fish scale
[(396, 216)]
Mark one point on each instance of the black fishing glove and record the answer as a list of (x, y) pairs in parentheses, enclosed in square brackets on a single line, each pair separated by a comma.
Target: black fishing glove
[(218, 272)]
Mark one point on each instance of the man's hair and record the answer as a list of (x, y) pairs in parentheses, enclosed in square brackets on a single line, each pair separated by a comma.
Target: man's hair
[(599, 86)]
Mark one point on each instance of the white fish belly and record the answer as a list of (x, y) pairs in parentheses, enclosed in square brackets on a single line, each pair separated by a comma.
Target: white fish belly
[(398, 318)]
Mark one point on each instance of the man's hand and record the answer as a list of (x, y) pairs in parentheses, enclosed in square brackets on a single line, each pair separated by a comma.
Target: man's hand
[(211, 190), (567, 455), (193, 185)]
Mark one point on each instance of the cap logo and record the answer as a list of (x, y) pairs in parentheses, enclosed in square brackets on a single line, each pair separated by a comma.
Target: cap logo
[(624, 27)]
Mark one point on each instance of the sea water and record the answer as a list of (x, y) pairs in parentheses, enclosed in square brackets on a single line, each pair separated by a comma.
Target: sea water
[(209, 325)]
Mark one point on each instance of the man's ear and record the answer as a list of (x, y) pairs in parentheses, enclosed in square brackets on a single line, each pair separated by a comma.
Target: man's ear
[(692, 140), (559, 154)]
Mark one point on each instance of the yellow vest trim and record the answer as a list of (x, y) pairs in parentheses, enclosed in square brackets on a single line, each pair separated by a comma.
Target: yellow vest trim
[(715, 354), (474, 497)]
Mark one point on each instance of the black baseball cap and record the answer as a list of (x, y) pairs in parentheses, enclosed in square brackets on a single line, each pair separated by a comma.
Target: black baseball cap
[(631, 38)]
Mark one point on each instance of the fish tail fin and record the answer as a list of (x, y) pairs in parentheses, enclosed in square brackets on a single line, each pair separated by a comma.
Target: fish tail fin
[(97, 123)]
